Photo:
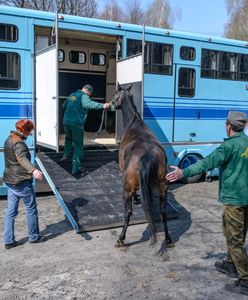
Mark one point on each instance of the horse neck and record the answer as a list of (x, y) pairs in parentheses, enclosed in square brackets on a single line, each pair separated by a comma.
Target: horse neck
[(129, 111)]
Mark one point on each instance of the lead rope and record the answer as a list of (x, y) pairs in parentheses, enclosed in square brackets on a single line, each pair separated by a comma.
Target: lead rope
[(99, 129)]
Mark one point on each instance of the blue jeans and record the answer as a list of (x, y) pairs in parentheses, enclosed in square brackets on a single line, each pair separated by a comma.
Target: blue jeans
[(24, 191)]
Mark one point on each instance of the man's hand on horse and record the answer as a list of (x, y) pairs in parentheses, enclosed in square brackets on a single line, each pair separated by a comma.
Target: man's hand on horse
[(174, 175), (106, 106)]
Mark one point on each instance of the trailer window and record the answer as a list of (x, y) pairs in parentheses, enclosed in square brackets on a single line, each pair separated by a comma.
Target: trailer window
[(210, 63), (243, 68), (229, 65), (9, 70), (61, 55), (186, 82), (8, 33), (158, 58), (187, 53), (77, 57), (134, 47), (97, 59)]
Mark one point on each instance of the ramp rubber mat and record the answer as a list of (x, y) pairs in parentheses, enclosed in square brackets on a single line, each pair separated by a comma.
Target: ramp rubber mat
[(94, 199)]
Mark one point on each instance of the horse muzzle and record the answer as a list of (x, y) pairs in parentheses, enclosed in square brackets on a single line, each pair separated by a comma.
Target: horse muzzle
[(112, 107)]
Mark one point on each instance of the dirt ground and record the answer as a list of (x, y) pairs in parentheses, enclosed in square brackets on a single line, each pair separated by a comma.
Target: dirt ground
[(88, 266)]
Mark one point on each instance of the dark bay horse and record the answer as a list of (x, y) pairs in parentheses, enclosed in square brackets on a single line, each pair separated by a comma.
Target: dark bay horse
[(143, 163)]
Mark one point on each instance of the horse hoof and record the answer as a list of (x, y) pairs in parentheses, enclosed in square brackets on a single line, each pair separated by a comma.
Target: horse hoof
[(119, 244), (170, 245)]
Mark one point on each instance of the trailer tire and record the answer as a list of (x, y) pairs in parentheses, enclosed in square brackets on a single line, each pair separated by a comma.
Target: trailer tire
[(185, 162)]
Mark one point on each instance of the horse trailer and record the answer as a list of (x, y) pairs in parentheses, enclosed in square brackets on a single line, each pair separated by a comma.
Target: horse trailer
[(183, 84)]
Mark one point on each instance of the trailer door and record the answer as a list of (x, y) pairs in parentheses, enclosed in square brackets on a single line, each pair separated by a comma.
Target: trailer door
[(129, 71), (186, 115), (46, 70)]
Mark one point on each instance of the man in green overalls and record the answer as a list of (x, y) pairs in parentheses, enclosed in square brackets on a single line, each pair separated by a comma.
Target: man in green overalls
[(76, 108), (232, 159)]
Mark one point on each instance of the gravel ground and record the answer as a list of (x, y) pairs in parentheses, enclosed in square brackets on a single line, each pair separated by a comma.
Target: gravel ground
[(88, 266)]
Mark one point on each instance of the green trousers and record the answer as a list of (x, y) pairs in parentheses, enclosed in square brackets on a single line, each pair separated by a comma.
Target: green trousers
[(74, 140), (235, 224)]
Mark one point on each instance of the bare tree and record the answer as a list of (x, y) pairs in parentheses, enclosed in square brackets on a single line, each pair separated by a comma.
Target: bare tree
[(17, 3), (135, 14), (86, 8), (159, 14), (237, 26), (112, 11)]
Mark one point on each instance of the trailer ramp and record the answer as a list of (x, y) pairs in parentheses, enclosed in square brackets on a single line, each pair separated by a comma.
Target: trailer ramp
[(91, 201)]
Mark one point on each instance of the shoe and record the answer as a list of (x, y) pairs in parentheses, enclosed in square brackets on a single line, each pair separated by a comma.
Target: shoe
[(64, 158), (76, 171), (12, 245), (79, 170), (41, 239), (238, 287), (227, 268)]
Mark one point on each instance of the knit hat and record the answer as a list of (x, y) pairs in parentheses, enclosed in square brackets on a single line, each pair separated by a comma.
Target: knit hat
[(89, 88), (24, 126), (238, 119)]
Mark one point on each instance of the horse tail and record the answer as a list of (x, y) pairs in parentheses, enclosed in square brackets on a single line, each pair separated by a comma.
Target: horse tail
[(148, 167)]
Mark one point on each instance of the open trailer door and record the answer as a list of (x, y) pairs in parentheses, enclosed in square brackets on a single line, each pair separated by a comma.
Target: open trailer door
[(129, 71), (47, 129)]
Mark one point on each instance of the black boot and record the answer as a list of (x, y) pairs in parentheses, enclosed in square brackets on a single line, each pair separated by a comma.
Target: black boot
[(12, 245), (227, 268), (238, 287)]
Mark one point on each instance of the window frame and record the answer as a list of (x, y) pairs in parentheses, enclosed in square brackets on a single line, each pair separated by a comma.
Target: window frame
[(222, 71), (16, 33), (78, 63), (139, 47), (187, 88), (213, 70), (239, 67), (150, 65), (61, 50), (18, 70), (190, 48), (93, 53)]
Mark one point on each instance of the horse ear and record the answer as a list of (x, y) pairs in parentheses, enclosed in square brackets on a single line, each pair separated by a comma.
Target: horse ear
[(118, 87), (129, 88)]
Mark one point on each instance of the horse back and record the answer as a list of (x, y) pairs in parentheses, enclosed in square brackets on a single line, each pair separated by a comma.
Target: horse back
[(138, 142)]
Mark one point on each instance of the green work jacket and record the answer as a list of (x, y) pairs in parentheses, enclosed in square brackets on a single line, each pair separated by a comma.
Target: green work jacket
[(76, 108), (231, 157)]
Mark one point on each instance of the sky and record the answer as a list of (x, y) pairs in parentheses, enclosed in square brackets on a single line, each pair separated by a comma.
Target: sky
[(200, 16), (206, 17)]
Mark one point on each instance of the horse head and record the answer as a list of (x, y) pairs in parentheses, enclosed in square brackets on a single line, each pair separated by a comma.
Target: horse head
[(120, 94)]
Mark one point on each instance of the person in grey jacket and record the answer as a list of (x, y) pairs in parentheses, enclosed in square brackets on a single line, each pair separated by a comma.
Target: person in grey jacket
[(18, 176)]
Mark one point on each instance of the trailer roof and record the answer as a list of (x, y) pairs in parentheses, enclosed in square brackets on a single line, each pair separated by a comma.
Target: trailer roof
[(10, 10)]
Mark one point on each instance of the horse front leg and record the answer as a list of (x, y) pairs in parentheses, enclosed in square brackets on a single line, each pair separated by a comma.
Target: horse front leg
[(128, 213)]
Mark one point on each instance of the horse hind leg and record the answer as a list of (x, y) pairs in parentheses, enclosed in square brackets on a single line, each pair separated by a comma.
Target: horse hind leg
[(128, 214), (136, 199), (163, 214)]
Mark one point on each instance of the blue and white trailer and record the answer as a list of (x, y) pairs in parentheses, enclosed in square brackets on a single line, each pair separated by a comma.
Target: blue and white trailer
[(183, 84)]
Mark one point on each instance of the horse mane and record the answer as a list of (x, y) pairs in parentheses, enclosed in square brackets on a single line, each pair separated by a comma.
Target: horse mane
[(130, 113)]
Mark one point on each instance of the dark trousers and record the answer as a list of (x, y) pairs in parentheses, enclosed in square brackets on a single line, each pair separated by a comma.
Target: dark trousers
[(235, 224), (74, 140)]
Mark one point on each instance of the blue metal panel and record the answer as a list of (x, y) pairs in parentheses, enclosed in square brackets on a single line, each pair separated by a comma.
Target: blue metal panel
[(22, 25), (17, 104)]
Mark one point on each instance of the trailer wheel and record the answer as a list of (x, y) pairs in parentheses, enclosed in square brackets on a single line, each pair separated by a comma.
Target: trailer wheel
[(185, 162)]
